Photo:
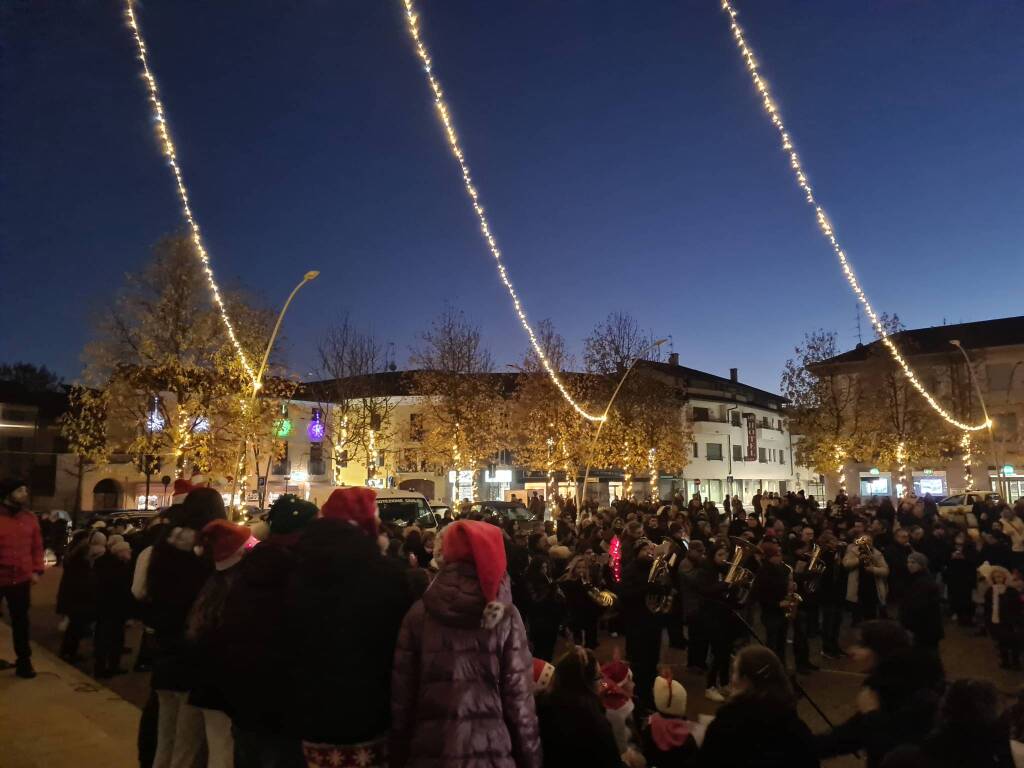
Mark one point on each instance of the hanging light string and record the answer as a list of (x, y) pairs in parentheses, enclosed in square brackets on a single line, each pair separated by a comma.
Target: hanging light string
[(826, 227), (167, 145), (474, 196)]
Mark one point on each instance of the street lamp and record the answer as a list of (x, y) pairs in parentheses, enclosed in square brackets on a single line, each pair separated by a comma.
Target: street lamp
[(607, 408), (257, 384), (988, 422)]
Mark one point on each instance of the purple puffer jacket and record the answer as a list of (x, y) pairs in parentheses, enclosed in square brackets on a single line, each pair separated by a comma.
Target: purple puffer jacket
[(461, 694)]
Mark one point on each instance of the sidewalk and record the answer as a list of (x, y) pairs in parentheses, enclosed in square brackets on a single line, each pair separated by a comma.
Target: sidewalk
[(62, 718)]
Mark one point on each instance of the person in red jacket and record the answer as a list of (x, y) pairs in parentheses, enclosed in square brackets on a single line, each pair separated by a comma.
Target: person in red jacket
[(21, 565)]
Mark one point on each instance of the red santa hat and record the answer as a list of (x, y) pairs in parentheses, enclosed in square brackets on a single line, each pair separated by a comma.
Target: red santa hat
[(227, 542), (357, 506), (614, 675), (182, 488), (543, 673), (482, 544)]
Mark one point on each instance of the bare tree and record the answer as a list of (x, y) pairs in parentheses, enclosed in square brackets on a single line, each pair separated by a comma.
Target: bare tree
[(465, 410), (359, 410), (615, 343)]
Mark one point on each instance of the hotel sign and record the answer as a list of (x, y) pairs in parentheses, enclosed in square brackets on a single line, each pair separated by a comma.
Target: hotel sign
[(751, 436)]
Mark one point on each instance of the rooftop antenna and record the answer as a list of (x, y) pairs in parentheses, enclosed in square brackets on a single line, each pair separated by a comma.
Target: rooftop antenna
[(860, 337)]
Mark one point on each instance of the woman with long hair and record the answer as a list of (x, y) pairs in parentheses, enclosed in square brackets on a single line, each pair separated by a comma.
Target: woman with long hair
[(759, 725), (574, 729)]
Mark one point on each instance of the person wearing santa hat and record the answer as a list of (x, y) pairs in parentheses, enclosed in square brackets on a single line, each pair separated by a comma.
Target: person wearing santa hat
[(667, 736), (543, 673), (252, 647), (573, 727), (616, 694), (346, 606), (168, 578), (226, 544), (461, 685)]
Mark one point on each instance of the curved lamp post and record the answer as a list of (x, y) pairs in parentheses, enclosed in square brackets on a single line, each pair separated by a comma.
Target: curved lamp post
[(607, 408), (257, 385)]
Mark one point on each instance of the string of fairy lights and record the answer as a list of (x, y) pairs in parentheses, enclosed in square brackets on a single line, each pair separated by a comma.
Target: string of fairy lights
[(455, 145), (167, 146), (826, 228)]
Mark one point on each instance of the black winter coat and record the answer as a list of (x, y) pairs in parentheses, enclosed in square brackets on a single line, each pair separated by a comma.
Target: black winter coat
[(574, 732), (757, 734), (76, 594), (250, 649), (921, 609), (347, 606), (113, 587)]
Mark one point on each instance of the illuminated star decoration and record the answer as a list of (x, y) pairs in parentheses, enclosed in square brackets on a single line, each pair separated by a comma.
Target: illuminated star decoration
[(474, 196), (315, 430), (826, 227), (155, 421)]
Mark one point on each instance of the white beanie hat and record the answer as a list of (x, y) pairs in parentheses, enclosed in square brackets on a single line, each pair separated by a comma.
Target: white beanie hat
[(669, 696)]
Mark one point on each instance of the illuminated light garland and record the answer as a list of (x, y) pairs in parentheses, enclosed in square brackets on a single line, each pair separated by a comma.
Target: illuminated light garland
[(840, 455), (901, 460), (474, 196), (965, 444), (826, 227), (167, 145), (653, 470)]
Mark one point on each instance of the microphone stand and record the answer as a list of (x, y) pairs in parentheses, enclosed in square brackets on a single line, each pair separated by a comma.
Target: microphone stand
[(795, 683)]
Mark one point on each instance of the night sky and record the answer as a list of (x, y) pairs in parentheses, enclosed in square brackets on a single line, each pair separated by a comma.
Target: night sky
[(618, 146)]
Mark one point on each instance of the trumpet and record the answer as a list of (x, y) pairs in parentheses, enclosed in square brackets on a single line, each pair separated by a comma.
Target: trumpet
[(740, 579), (600, 597), (661, 594)]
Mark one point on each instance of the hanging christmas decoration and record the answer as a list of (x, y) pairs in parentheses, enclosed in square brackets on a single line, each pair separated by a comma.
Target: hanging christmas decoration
[(826, 227), (443, 110)]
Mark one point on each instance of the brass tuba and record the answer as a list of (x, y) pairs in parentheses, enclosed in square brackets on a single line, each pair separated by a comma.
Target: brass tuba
[(740, 579), (601, 597), (661, 594)]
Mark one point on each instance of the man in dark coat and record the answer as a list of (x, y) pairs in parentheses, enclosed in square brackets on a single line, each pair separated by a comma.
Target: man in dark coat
[(643, 629), (921, 607)]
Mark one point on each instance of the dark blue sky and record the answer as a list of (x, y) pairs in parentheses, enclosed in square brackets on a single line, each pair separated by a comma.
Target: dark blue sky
[(618, 146)]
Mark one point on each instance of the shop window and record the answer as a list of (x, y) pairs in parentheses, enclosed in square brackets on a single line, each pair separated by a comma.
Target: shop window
[(714, 451)]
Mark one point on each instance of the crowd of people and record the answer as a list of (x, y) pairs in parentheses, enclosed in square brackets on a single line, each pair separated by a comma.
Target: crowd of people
[(322, 638)]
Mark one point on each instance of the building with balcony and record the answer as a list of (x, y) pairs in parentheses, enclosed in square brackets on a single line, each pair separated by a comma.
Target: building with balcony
[(995, 349)]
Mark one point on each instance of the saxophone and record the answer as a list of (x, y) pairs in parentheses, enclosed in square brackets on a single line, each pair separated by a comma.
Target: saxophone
[(791, 602)]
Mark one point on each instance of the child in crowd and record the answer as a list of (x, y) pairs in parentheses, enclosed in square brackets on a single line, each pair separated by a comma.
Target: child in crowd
[(667, 737)]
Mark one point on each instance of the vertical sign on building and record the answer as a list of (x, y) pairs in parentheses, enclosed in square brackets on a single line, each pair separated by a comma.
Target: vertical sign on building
[(751, 436)]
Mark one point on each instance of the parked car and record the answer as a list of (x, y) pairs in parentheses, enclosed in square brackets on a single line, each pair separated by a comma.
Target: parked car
[(959, 508), (520, 515), (441, 509), (400, 509)]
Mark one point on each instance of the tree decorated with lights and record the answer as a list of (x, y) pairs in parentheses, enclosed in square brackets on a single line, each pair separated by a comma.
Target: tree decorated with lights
[(465, 413), (174, 388), (646, 433), (547, 433), (358, 422), (827, 407)]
